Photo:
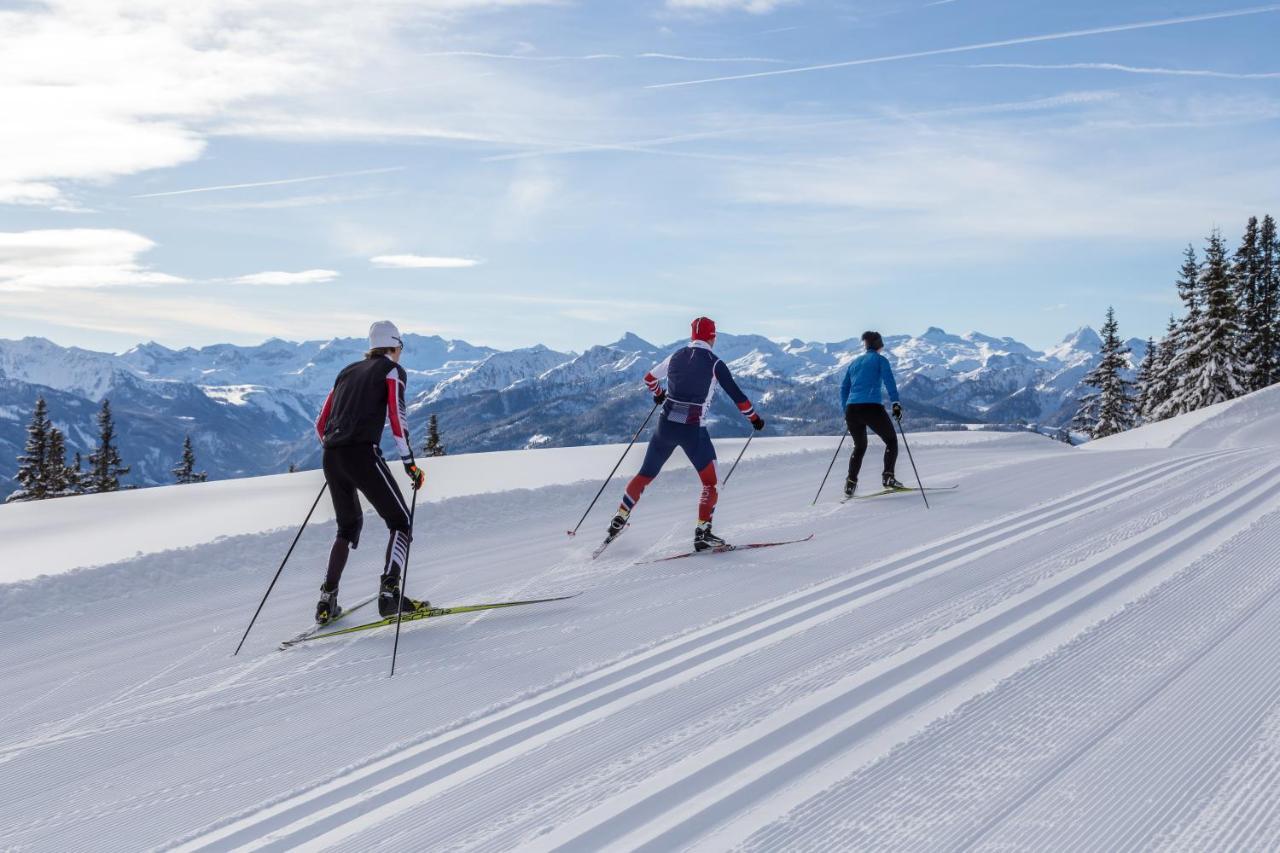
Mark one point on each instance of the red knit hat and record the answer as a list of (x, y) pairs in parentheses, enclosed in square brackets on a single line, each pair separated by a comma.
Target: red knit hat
[(704, 329)]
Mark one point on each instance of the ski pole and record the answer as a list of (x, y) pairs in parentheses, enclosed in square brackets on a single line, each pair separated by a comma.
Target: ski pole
[(834, 457), (574, 531), (913, 462), (739, 459), (281, 569), (404, 582)]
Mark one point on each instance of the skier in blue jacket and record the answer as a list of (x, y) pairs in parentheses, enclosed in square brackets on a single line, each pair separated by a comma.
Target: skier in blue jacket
[(860, 396)]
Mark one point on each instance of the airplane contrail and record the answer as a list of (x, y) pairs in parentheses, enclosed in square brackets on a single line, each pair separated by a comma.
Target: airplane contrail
[(1116, 28)]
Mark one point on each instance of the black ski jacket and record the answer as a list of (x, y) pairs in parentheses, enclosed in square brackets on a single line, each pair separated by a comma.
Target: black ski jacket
[(366, 395)]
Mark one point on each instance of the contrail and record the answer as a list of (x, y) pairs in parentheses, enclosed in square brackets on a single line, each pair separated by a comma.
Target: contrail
[(1130, 69), (273, 183), (1117, 28)]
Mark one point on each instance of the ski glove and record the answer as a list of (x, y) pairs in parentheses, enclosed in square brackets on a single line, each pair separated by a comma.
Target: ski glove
[(758, 423), (897, 411), (659, 398), (416, 474)]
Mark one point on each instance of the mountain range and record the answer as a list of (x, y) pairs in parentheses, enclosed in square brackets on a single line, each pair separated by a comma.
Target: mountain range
[(249, 409)]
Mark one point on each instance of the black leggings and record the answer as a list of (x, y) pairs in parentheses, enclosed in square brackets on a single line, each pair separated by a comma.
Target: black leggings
[(356, 470), (859, 416)]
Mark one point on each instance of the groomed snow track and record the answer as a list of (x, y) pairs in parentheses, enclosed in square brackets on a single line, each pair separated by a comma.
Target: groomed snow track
[(1073, 651)]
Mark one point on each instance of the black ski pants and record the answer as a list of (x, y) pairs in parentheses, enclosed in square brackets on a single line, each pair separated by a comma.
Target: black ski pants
[(359, 469), (859, 416)]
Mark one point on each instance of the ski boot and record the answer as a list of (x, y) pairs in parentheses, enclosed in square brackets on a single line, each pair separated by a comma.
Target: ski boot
[(891, 482), (849, 487), (328, 608), (391, 602), (704, 539), (617, 525)]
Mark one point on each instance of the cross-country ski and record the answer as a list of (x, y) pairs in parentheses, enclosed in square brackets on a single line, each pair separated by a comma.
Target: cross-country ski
[(726, 548), (425, 613), (901, 490)]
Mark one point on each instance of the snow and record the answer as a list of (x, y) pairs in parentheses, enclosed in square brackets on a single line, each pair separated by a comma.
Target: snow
[(1074, 650)]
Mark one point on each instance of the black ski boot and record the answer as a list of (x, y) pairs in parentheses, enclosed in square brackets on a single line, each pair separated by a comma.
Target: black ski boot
[(328, 607), (850, 486), (704, 539), (389, 595), (891, 482), (617, 525)]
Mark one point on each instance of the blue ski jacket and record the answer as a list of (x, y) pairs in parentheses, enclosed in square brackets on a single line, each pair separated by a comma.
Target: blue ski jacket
[(862, 380)]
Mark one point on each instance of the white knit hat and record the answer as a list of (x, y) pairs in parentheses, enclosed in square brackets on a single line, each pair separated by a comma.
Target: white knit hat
[(384, 334)]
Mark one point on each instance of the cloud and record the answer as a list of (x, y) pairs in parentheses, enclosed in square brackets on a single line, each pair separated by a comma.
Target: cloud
[(75, 257), (287, 278), (526, 57), (273, 183), (1130, 69), (419, 262), (111, 88), (677, 58), (754, 7), (897, 57)]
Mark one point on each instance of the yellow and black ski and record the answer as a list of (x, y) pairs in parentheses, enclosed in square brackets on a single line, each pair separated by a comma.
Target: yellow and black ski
[(426, 613)]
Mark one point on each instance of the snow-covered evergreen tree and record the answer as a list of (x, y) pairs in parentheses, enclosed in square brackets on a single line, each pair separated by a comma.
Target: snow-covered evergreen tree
[(57, 470), (33, 474), (105, 468), (1210, 369), (1148, 383), (1264, 355), (1163, 380), (1247, 285), (1109, 409), (76, 476), (185, 471), (433, 447)]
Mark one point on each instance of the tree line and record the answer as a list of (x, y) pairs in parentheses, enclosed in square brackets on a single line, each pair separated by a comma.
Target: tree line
[(1226, 342), (44, 472)]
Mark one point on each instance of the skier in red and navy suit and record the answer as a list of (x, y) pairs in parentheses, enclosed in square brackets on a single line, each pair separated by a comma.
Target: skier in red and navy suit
[(691, 375)]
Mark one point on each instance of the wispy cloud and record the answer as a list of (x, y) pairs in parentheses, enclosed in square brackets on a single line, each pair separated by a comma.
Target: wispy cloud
[(274, 183), (276, 278), (678, 58), (315, 200), (421, 262), (75, 257), (523, 57), (754, 7), (1070, 34), (1130, 69)]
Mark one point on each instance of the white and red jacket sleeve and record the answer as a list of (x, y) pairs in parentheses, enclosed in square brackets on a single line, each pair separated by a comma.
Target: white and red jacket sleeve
[(324, 416), (653, 379), (396, 413)]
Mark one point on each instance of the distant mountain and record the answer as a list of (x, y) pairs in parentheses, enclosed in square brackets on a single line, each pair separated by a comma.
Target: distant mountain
[(249, 409)]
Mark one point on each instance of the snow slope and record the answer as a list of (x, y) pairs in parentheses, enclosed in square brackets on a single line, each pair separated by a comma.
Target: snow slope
[(1072, 651)]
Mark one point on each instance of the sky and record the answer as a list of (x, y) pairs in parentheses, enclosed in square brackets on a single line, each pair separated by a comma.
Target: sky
[(513, 172)]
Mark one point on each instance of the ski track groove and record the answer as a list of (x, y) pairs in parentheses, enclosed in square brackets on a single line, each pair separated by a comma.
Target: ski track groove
[(1049, 514), (635, 816), (612, 763)]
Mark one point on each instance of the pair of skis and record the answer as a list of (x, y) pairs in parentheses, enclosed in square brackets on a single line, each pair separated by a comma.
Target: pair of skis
[(722, 549), (319, 632), (900, 490)]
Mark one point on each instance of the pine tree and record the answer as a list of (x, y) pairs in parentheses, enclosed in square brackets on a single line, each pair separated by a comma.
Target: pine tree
[(1110, 409), (32, 476), (1210, 369), (1148, 383), (1163, 381), (105, 469), (293, 467), (433, 447), (1247, 284), (185, 471), (1265, 354), (57, 470), (76, 476)]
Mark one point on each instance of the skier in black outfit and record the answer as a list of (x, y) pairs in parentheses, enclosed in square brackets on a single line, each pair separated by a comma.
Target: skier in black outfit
[(860, 396), (364, 396)]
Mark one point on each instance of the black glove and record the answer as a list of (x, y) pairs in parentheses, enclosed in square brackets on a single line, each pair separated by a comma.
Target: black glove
[(416, 474), (758, 423), (659, 398), (897, 411)]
